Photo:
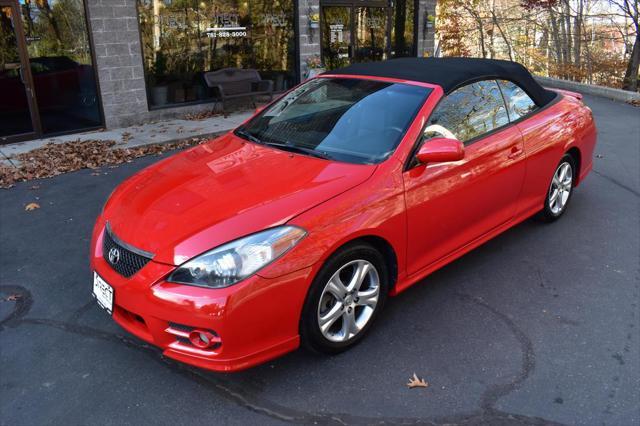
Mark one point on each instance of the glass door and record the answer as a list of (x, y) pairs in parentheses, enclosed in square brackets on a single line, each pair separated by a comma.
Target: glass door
[(354, 33), (61, 64), (18, 119), (48, 82), (371, 34), (336, 36)]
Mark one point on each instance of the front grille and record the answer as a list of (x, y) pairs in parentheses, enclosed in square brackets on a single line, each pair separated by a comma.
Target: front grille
[(122, 259)]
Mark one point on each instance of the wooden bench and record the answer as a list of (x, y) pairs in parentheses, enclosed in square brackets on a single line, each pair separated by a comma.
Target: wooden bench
[(230, 83)]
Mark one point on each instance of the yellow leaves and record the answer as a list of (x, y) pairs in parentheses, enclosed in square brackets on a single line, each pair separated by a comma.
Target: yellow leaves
[(31, 206), (416, 382)]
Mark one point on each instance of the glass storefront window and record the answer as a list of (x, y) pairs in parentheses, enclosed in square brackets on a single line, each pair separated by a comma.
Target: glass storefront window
[(61, 65), (183, 39), (402, 30), (48, 58)]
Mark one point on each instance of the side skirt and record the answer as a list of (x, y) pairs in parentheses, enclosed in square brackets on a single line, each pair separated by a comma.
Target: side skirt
[(410, 280)]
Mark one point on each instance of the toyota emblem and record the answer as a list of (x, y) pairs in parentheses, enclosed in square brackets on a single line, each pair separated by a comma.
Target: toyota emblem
[(114, 255)]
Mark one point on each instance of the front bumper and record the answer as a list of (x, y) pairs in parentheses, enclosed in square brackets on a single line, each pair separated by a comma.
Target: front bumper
[(256, 319)]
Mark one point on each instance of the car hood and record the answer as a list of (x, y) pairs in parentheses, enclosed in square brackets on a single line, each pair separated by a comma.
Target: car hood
[(219, 191)]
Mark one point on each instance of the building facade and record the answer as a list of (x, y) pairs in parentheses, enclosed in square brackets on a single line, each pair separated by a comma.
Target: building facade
[(72, 65)]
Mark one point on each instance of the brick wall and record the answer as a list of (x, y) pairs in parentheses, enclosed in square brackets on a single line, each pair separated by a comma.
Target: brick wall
[(309, 37), (426, 32), (114, 24)]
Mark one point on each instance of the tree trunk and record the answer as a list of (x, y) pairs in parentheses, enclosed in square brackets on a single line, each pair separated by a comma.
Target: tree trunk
[(555, 35), (577, 35), (631, 75), (567, 33)]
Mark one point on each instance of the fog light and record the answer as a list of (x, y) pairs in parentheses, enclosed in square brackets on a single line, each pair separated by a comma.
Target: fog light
[(202, 339)]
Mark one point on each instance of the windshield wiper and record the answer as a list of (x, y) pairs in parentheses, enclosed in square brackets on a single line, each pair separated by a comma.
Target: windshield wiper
[(284, 146), (246, 135), (300, 149)]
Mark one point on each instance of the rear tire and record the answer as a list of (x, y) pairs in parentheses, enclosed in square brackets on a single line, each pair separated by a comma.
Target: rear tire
[(560, 190), (344, 299)]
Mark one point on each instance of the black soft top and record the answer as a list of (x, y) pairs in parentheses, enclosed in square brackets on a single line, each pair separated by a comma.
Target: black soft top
[(451, 73)]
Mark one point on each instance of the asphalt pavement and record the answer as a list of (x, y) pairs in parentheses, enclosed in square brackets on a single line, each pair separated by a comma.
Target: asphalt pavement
[(538, 326)]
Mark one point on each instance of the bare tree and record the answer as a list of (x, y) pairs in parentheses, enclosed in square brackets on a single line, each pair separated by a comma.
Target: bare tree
[(631, 9)]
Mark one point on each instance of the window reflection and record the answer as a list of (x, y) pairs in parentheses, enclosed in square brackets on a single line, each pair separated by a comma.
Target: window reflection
[(61, 64), (15, 116), (402, 31), (518, 102), (183, 39), (468, 112)]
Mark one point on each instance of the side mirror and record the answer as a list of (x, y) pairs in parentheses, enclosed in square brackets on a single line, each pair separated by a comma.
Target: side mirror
[(440, 150)]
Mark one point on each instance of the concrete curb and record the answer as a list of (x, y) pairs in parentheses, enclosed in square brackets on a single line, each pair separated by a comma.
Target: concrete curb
[(589, 89)]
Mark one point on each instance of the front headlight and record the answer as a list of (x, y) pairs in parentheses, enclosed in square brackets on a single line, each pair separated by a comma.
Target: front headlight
[(235, 261)]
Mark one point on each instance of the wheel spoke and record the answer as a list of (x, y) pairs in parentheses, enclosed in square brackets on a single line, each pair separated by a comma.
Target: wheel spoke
[(563, 172), (368, 297), (361, 271), (349, 326), (336, 287), (327, 320), (558, 202), (554, 196)]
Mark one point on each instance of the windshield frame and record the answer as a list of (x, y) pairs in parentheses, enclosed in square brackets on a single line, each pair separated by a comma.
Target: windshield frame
[(241, 130)]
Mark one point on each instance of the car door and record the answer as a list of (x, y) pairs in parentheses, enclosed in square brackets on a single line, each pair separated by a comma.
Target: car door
[(451, 204)]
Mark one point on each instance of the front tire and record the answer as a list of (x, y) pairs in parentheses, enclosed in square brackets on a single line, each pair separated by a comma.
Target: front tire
[(344, 300), (560, 190)]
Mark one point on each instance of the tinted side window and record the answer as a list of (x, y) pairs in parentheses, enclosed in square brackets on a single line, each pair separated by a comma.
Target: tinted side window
[(468, 112), (518, 102)]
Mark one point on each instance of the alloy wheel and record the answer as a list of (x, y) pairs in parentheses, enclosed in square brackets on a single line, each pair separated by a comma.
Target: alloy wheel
[(561, 187), (348, 301)]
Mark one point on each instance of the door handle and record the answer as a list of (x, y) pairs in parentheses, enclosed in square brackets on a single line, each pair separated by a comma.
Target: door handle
[(515, 153)]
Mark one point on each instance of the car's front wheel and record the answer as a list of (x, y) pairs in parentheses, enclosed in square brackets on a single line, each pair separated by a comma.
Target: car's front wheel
[(560, 189), (344, 299)]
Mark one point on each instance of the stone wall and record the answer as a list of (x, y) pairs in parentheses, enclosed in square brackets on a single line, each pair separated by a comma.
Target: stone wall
[(309, 37), (426, 32), (116, 39)]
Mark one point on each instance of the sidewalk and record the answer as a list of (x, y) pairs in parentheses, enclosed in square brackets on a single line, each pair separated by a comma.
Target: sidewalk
[(128, 137)]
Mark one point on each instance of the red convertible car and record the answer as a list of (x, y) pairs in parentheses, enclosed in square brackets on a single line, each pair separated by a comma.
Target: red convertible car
[(295, 227)]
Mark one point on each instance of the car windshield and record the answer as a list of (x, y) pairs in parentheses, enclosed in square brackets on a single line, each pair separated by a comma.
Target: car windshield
[(343, 119)]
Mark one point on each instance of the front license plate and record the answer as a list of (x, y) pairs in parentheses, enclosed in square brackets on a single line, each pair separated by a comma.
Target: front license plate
[(103, 293)]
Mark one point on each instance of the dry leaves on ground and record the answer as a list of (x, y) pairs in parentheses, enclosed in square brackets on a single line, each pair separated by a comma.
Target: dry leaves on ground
[(31, 206), (202, 115), (54, 159), (634, 102), (416, 382)]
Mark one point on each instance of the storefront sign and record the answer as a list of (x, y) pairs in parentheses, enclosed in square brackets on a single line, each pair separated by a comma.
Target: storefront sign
[(375, 22), (336, 33), (226, 25), (274, 19)]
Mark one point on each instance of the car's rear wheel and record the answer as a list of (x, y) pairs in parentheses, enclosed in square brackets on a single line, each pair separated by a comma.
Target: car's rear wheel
[(560, 189), (344, 299)]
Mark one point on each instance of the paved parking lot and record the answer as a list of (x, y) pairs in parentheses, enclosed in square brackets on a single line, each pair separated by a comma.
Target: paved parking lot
[(538, 326)]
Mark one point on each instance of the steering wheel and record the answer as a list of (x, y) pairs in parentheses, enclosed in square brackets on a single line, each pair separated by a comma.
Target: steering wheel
[(436, 128)]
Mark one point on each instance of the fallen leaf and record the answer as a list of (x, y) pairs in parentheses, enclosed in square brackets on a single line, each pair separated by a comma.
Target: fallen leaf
[(31, 206), (415, 382), (55, 159)]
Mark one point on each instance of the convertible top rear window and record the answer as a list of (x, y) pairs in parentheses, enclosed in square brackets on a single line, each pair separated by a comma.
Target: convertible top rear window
[(345, 119)]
